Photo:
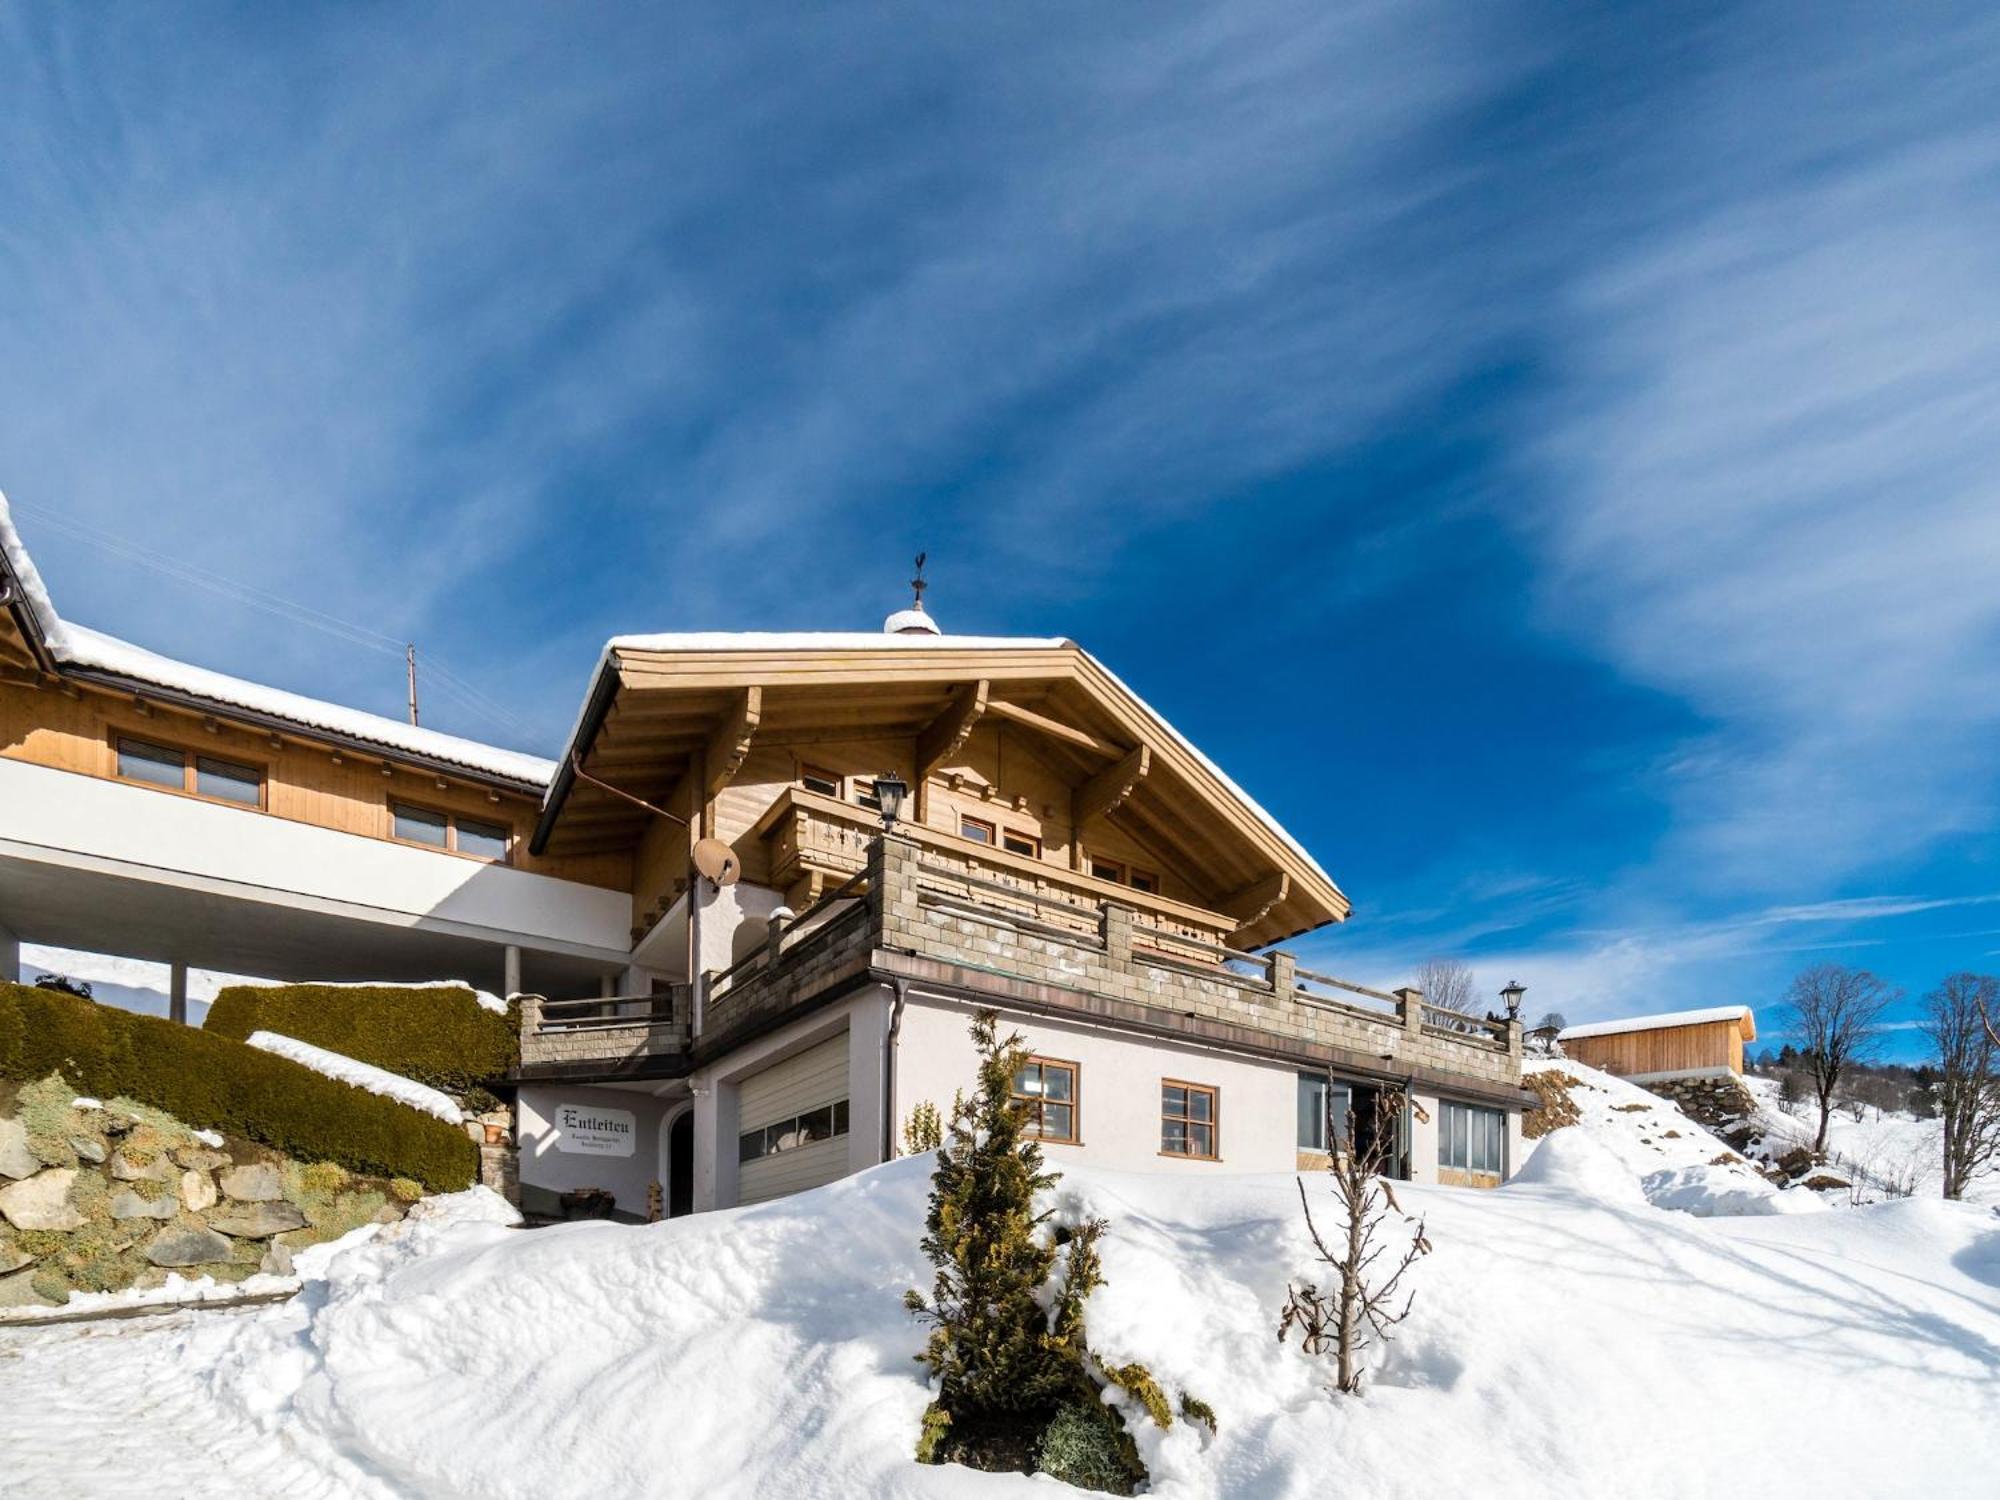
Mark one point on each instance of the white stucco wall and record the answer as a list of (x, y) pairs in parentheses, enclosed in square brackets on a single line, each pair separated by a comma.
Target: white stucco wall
[(1118, 1086), (90, 823), (546, 1165), (864, 1018)]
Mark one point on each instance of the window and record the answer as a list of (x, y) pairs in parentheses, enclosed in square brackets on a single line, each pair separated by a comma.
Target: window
[(976, 829), (1472, 1139), (139, 761), (419, 825), (1187, 1120), (1323, 1108), (865, 794), (1147, 881), (228, 782), (184, 771), (1016, 842), (815, 1125), (817, 779), (1046, 1090), (1108, 869), (482, 840), (436, 830)]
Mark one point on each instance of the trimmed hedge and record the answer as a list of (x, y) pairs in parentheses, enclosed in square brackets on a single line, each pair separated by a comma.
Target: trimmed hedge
[(442, 1037), (215, 1082)]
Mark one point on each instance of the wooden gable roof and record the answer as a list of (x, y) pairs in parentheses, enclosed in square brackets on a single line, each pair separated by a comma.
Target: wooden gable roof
[(663, 709)]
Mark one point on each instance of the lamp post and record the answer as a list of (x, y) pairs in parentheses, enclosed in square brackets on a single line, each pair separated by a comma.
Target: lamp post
[(890, 790), (1511, 994)]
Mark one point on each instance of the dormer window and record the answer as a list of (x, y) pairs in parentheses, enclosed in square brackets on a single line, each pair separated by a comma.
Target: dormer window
[(978, 830), (1108, 869), (818, 779), (1016, 842), (1147, 881)]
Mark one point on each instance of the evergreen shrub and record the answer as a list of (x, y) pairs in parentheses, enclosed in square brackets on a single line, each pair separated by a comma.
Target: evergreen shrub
[(211, 1080), (441, 1037)]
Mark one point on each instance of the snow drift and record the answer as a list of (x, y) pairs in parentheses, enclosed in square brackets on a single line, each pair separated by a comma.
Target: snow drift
[(1568, 1339)]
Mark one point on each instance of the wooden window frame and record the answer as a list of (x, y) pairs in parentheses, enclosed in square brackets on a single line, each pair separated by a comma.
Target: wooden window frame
[(820, 773), (451, 817), (190, 775), (1033, 840), (1214, 1120), (1133, 874), (1096, 873), (1034, 1102), (987, 823)]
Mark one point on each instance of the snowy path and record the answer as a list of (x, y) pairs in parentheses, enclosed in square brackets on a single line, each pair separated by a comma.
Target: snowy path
[(118, 1407)]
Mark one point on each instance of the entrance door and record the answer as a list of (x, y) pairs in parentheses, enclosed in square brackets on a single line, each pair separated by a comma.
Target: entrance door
[(1397, 1160), (680, 1165)]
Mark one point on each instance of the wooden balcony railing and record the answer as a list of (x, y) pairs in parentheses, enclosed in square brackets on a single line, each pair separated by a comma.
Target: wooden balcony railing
[(807, 833)]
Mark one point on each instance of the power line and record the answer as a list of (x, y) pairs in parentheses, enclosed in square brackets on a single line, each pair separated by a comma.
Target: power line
[(253, 597)]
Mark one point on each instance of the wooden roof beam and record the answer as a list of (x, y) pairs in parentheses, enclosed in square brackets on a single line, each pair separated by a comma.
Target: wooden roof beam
[(729, 746), (1055, 729), (946, 735), (1106, 792), (1253, 902)]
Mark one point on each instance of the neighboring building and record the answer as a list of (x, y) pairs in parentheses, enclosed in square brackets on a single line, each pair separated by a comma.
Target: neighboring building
[(1063, 856), (1682, 1044)]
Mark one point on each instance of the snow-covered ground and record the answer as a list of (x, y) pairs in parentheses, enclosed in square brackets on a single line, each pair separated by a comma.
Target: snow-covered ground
[(1569, 1338), (1889, 1148)]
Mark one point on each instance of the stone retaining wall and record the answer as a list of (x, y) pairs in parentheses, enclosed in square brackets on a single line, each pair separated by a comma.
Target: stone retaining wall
[(99, 1197)]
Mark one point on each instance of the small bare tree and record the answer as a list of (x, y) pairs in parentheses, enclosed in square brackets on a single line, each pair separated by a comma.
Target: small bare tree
[(1447, 984), (1835, 1014), (1360, 1308), (1968, 1093)]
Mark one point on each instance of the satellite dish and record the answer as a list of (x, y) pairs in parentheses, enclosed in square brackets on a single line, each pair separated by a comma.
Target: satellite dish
[(716, 861)]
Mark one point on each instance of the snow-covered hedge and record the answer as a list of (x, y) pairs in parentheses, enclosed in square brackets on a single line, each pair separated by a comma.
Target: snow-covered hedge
[(360, 1075), (437, 1035), (213, 1081)]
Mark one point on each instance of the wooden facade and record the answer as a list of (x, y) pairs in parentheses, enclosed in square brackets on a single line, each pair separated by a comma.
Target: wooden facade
[(1653, 1051), (1027, 761), (77, 727)]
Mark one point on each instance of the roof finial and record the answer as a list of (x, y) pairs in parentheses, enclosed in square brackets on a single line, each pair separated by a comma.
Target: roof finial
[(914, 620)]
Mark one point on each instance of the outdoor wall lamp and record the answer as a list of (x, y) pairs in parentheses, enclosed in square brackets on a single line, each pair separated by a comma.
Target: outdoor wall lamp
[(890, 790)]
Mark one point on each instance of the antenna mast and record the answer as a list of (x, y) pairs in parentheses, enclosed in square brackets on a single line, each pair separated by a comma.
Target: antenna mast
[(410, 656)]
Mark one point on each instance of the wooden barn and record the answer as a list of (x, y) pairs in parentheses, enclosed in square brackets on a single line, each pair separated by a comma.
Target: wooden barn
[(1681, 1044)]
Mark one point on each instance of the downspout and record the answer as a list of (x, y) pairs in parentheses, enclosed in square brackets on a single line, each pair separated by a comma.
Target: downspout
[(901, 986)]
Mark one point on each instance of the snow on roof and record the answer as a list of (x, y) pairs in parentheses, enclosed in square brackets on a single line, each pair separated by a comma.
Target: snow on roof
[(34, 593), (1655, 1023), (95, 651), (869, 640), (79, 646), (830, 640)]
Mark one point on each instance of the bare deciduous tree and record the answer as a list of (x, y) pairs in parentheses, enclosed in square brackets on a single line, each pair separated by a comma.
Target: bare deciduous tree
[(1968, 1093), (1361, 1309), (1447, 984), (1835, 1014)]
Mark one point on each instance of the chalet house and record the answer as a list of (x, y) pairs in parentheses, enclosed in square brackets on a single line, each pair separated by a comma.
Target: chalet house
[(752, 906), (1654, 1049)]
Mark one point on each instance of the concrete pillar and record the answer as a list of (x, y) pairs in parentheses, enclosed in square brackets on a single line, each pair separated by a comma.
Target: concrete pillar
[(177, 992), (10, 956), (1412, 1002), (511, 984), (607, 986), (1114, 925), (1284, 977)]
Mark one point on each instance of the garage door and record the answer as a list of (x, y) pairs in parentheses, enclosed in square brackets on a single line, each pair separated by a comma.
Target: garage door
[(794, 1124)]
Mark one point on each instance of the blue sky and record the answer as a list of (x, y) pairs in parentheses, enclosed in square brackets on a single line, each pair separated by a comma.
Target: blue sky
[(1546, 454)]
